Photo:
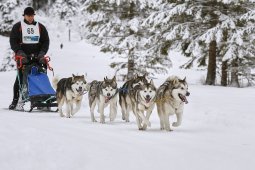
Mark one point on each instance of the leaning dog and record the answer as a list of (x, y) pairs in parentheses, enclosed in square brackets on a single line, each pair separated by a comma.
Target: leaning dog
[(171, 96), (143, 101), (102, 94), (70, 91), (125, 93)]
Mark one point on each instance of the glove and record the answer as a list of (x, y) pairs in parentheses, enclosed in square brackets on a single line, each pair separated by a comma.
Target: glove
[(40, 57), (22, 54)]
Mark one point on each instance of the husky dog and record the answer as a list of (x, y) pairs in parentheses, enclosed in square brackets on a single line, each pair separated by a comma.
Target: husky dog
[(144, 100), (171, 96), (125, 93), (103, 93), (70, 91)]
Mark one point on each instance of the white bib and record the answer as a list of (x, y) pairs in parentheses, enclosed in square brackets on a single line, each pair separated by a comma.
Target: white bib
[(30, 33)]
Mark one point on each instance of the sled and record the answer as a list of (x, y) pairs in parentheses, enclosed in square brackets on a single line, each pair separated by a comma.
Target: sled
[(36, 90)]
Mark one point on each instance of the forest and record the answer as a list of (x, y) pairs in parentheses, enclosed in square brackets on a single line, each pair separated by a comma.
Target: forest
[(215, 35)]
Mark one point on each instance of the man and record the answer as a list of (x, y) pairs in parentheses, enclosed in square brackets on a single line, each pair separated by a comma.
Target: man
[(29, 39)]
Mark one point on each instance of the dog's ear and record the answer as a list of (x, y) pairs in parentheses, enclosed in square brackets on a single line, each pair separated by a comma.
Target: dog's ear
[(135, 76), (184, 79), (73, 77), (151, 82), (83, 79), (114, 79), (105, 79), (85, 75), (175, 80)]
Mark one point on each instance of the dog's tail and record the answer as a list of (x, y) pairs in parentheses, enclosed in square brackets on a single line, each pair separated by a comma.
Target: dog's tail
[(171, 78), (55, 82)]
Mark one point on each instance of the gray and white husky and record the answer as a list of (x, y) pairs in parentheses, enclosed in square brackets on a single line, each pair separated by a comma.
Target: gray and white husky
[(143, 101), (125, 93), (171, 96), (102, 94), (70, 91)]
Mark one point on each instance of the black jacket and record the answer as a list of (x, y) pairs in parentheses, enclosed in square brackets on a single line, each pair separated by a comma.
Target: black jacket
[(16, 40)]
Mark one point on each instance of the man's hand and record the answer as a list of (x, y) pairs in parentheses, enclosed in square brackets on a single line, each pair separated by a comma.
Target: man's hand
[(23, 55), (40, 57)]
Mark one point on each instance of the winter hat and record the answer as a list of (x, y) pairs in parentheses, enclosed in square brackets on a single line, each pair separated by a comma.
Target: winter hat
[(29, 11)]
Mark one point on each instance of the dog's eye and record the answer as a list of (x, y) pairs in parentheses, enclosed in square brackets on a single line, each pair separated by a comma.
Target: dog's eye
[(150, 91), (145, 91), (182, 88)]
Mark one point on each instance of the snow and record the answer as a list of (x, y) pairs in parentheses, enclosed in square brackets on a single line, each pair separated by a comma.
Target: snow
[(217, 131)]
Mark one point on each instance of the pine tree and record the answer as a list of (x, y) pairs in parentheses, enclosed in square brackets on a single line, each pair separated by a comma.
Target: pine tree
[(8, 63), (39, 4), (117, 27), (198, 27), (65, 9), (7, 16)]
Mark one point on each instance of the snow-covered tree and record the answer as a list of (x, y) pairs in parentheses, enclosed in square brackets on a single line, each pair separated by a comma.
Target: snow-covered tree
[(116, 26), (203, 30), (247, 59), (8, 63), (39, 4), (229, 34), (7, 17), (235, 47), (65, 9)]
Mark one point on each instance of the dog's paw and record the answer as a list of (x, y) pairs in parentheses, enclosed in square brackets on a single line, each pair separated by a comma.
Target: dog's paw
[(176, 124), (148, 123), (169, 129), (94, 120), (127, 118), (102, 121), (144, 127), (112, 117)]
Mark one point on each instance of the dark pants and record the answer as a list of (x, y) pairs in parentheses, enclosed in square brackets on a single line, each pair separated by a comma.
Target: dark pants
[(16, 85)]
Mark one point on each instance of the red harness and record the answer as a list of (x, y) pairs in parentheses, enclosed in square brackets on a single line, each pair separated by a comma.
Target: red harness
[(19, 59)]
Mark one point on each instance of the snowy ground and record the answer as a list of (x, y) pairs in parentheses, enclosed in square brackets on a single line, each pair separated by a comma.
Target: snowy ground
[(217, 131)]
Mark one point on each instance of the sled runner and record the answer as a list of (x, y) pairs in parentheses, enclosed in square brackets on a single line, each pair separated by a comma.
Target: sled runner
[(35, 89)]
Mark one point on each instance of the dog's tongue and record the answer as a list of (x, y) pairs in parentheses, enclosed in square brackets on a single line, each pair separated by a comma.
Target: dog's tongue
[(184, 99), (80, 92), (147, 100), (107, 99)]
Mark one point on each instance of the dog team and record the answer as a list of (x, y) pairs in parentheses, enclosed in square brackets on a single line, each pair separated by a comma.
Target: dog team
[(137, 95)]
